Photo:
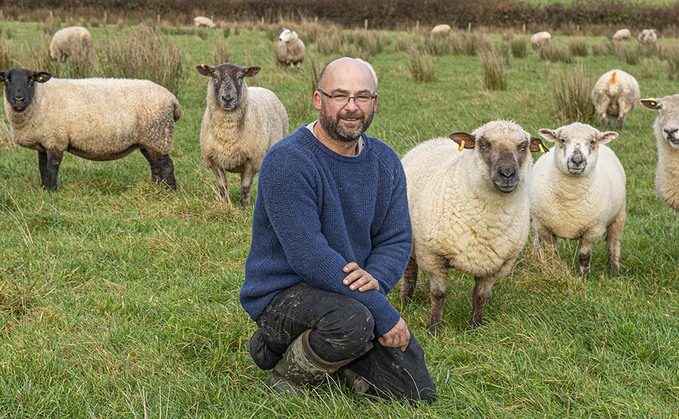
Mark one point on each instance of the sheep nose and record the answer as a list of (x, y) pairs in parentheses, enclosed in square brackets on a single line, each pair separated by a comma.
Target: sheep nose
[(578, 158), (19, 99), (670, 132), (507, 172)]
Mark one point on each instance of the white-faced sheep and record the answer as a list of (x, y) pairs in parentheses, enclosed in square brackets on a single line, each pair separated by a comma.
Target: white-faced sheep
[(614, 95), (540, 39), (622, 35), (289, 48), (203, 22), (469, 210), (73, 40), (647, 37), (666, 130), (440, 30), (577, 191), (97, 119), (239, 125)]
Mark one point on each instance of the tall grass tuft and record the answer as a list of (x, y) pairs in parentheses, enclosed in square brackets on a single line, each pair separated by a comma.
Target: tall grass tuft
[(331, 43), (601, 49), (79, 64), (578, 47), (519, 47), (220, 52), (670, 53), (142, 56), (5, 55), (437, 45), (555, 53), (629, 53), (367, 44), (572, 96), (422, 67), (494, 69), (465, 43)]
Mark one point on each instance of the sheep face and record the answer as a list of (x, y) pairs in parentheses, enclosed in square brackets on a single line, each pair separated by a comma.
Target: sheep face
[(666, 124), (503, 150), (576, 147), (20, 86), (227, 83), (287, 35)]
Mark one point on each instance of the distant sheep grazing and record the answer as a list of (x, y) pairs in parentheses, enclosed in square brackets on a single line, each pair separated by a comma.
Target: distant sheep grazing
[(614, 95), (577, 191), (469, 210), (647, 37), (70, 41), (440, 30), (289, 48), (540, 39), (666, 130), (203, 22), (96, 119), (622, 35), (239, 125)]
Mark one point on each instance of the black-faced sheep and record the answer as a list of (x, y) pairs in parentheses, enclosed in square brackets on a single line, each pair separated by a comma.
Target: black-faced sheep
[(469, 210), (97, 119), (614, 95), (577, 191), (239, 125), (70, 41)]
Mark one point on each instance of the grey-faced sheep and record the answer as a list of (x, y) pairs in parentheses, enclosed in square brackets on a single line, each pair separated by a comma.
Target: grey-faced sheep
[(289, 48), (614, 95), (97, 119), (647, 37), (70, 41), (540, 39), (469, 210), (440, 30), (239, 125), (577, 191), (666, 130), (203, 22), (622, 35)]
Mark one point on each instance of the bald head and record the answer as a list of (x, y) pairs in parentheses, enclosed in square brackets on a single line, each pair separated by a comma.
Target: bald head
[(348, 74)]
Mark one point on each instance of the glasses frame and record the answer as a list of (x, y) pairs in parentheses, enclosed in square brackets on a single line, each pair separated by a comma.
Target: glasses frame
[(330, 96)]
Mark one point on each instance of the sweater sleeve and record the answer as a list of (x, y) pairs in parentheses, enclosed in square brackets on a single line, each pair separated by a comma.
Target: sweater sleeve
[(288, 190), (393, 238)]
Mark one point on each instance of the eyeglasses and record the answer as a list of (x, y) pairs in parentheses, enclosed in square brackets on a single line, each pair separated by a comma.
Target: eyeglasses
[(343, 98)]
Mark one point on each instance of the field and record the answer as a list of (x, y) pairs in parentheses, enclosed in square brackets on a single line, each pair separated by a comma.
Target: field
[(119, 298)]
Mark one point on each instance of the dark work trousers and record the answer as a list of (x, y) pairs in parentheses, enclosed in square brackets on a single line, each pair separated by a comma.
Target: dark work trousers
[(343, 329)]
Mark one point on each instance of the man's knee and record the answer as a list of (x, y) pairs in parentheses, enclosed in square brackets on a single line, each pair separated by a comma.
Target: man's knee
[(346, 331)]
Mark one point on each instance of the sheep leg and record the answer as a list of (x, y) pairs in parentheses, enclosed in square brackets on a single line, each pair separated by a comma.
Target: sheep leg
[(613, 237), (245, 184), (48, 163), (437, 272), (548, 238), (585, 247), (483, 291), (162, 168), (222, 185), (409, 281), (602, 108)]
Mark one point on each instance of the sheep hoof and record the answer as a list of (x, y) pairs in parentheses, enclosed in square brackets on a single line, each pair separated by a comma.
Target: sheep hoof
[(433, 328)]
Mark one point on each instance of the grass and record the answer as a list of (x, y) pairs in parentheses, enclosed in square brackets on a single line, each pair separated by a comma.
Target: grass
[(120, 299)]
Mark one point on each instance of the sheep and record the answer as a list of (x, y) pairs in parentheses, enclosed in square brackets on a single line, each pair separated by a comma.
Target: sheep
[(614, 95), (441, 30), (647, 37), (96, 119), (239, 125), (540, 39), (289, 48), (622, 35), (578, 192), (469, 210), (69, 41), (666, 128), (370, 67), (203, 22)]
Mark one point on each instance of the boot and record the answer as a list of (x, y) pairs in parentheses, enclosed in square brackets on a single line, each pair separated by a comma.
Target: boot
[(299, 366), (264, 357)]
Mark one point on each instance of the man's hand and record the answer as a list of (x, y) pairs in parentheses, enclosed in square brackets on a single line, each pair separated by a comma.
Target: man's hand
[(358, 279), (397, 337)]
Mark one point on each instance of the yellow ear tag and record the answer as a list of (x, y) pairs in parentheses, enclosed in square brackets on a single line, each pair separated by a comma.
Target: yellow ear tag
[(461, 147), (542, 149)]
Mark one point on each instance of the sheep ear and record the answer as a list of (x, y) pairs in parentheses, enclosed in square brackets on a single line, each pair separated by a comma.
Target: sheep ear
[(536, 145), (548, 135), (251, 71), (3, 75), (204, 70), (42, 76), (651, 103), (463, 139), (606, 137)]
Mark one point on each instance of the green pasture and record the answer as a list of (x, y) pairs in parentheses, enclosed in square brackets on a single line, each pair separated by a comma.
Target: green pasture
[(119, 298)]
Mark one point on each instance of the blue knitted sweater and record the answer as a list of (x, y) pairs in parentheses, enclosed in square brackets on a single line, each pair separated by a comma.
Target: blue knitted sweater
[(316, 211)]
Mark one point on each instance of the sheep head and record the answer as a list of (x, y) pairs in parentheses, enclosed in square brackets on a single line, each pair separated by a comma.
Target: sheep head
[(20, 86), (576, 147), (227, 83), (502, 149), (666, 123)]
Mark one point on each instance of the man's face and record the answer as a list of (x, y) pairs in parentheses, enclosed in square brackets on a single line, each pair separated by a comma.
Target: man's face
[(345, 122)]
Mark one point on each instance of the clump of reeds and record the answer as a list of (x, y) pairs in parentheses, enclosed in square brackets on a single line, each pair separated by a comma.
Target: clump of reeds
[(494, 69), (555, 53), (422, 67), (578, 47), (572, 95), (670, 53), (331, 43), (519, 47), (220, 53), (629, 53)]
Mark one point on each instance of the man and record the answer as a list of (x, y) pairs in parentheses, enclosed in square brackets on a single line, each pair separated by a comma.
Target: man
[(330, 238)]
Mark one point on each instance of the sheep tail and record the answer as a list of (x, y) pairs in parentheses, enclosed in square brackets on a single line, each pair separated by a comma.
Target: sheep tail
[(613, 75)]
